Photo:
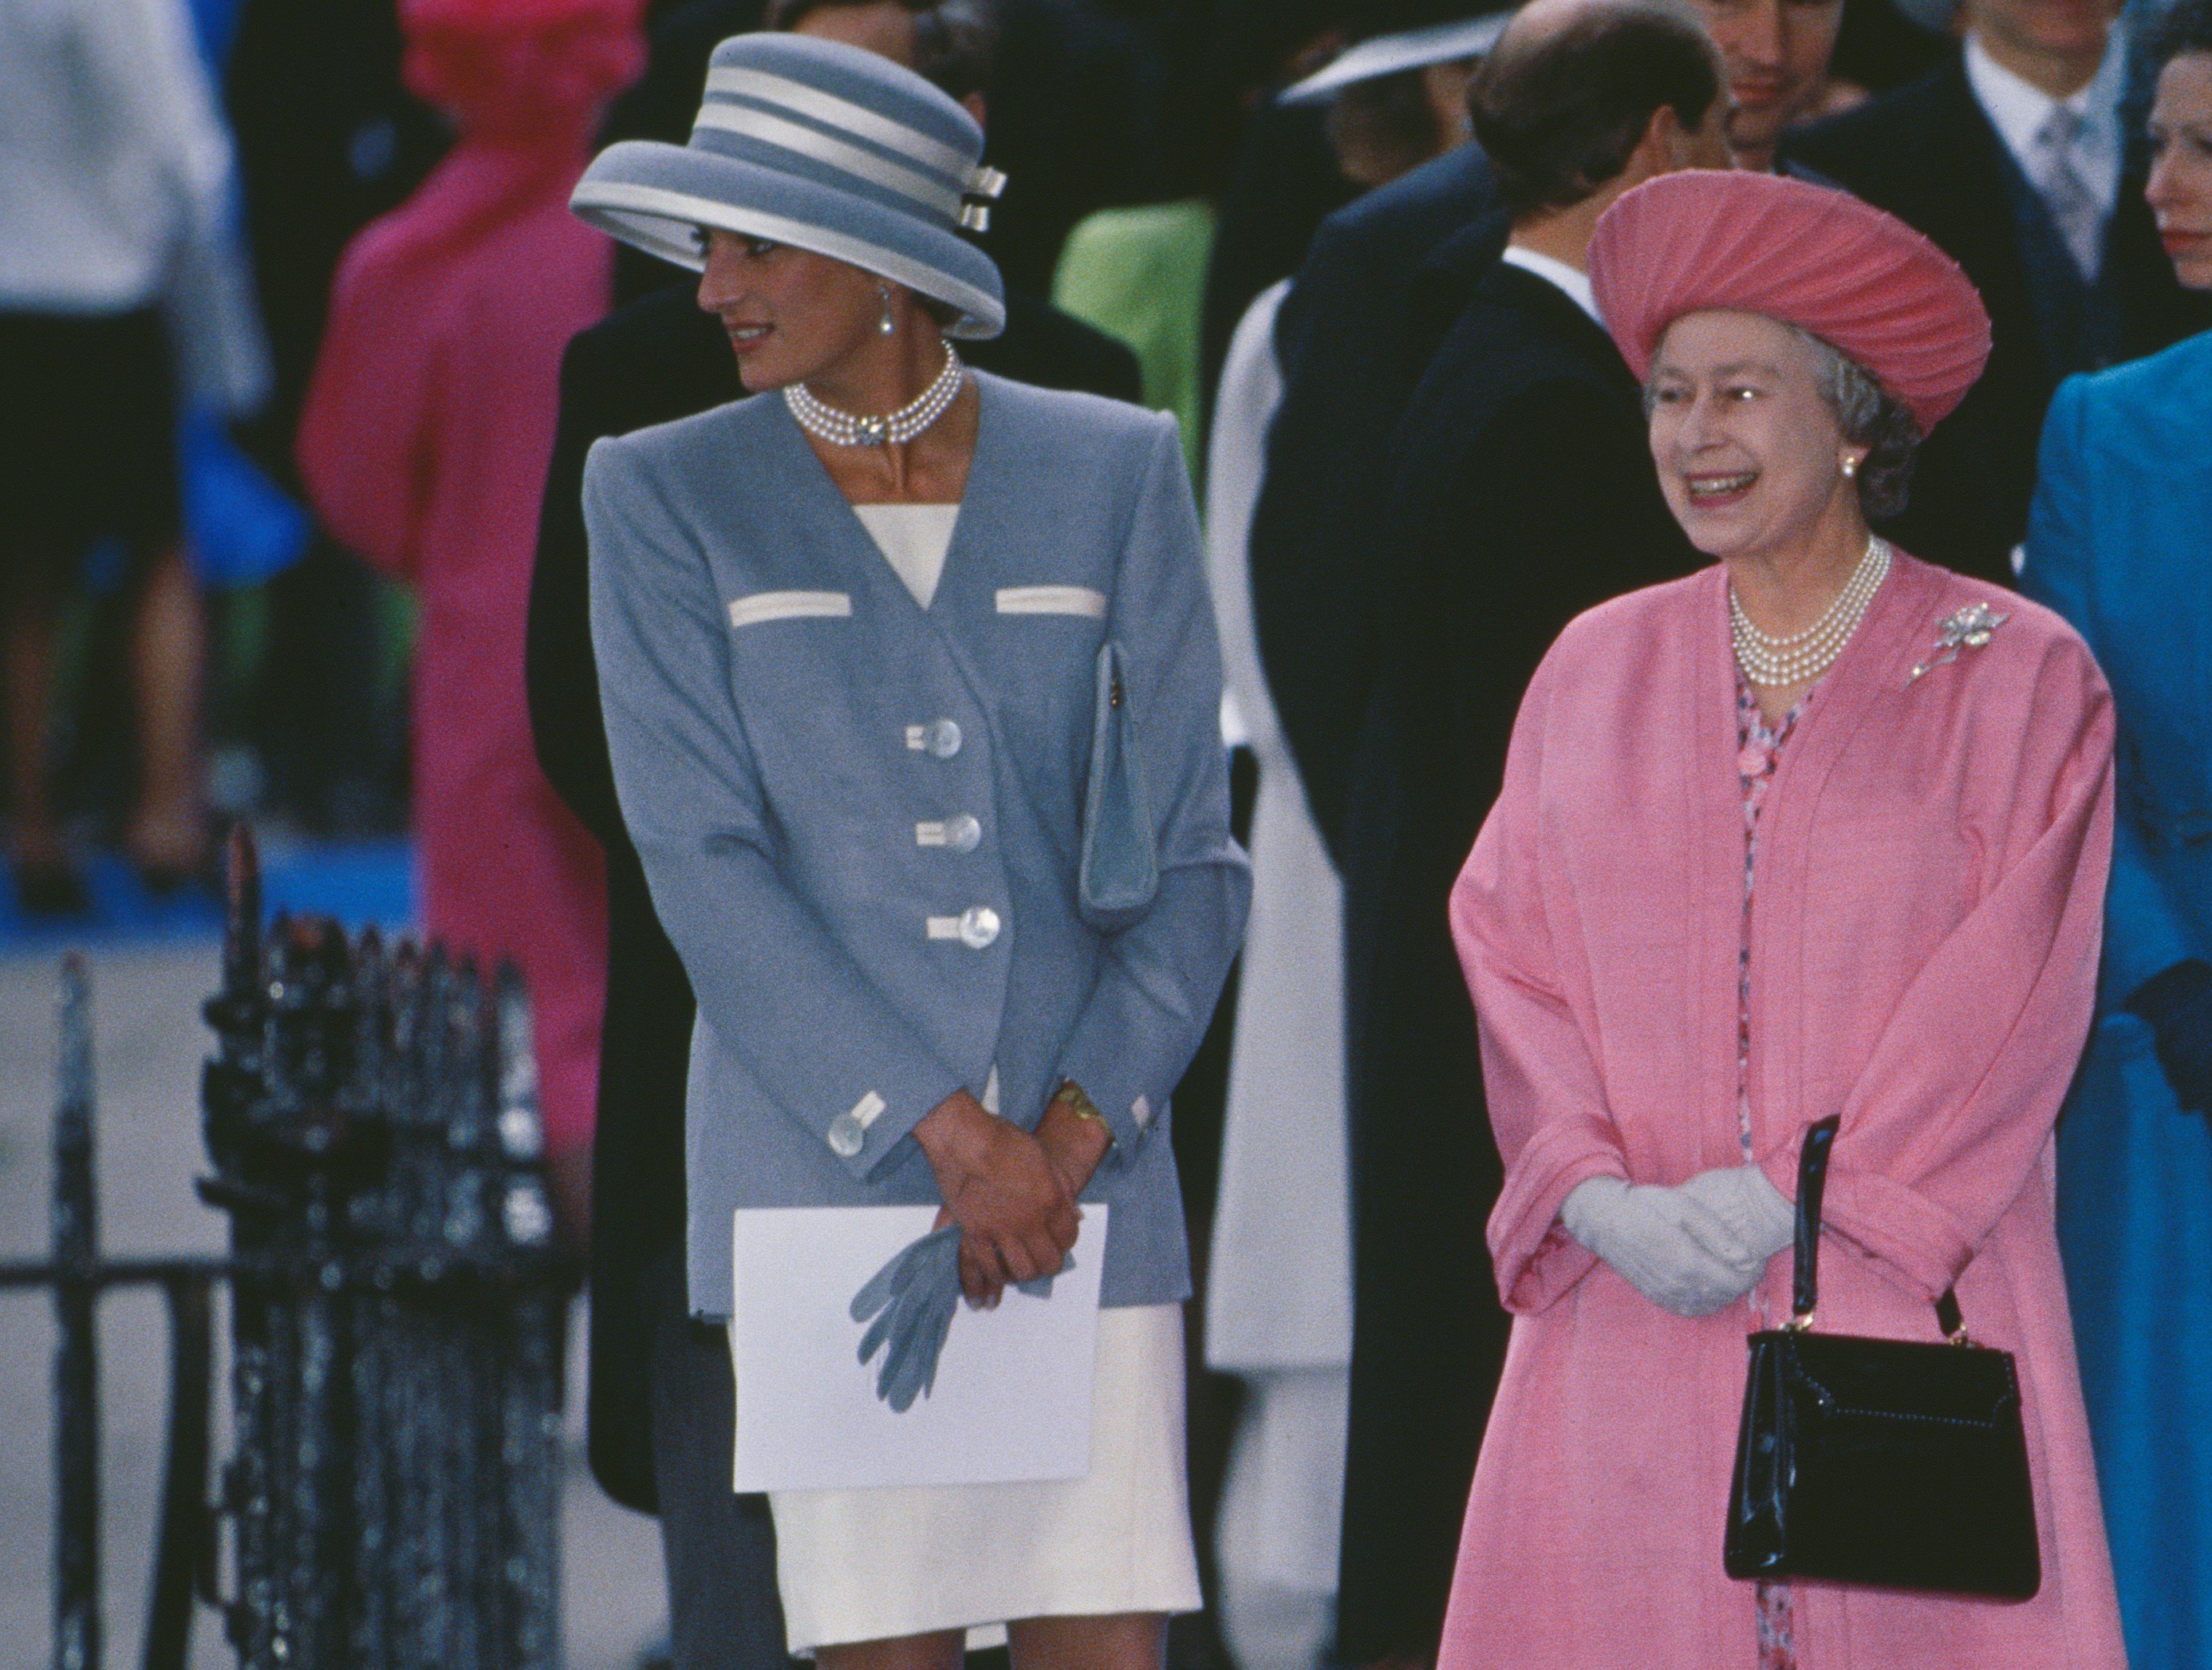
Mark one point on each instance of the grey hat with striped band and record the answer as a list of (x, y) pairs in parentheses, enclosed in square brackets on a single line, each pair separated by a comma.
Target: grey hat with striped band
[(825, 147)]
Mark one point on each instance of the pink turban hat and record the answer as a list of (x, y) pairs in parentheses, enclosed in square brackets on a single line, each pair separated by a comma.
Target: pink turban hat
[(1861, 280)]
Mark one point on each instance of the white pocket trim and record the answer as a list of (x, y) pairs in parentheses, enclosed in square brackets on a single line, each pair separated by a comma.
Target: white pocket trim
[(789, 606), (1053, 600)]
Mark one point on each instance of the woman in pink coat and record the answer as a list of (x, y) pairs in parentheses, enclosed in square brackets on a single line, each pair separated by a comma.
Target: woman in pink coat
[(424, 444), (1820, 829)]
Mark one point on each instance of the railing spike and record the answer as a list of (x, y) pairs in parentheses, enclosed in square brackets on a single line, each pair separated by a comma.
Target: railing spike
[(76, 1369), (241, 923)]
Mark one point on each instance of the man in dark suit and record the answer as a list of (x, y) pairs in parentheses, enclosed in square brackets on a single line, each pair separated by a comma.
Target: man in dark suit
[(2010, 155), (1523, 493), (1362, 318), (1284, 182), (661, 1415)]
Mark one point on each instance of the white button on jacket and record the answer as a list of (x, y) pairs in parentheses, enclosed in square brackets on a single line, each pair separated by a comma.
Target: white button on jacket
[(940, 738), (963, 834), (976, 928)]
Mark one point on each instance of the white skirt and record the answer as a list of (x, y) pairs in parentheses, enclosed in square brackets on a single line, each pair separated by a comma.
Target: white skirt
[(866, 1565)]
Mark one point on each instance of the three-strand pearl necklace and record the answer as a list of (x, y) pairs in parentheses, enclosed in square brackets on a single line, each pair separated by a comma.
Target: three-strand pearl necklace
[(842, 428), (1775, 662)]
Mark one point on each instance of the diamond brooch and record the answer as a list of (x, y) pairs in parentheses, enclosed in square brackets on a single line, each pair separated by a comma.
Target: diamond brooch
[(1969, 628)]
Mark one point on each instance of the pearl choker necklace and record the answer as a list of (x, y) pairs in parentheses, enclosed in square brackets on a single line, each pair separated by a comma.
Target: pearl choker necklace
[(1772, 662), (842, 428)]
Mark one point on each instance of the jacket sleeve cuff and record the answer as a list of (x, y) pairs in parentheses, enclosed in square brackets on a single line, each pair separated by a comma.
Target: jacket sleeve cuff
[(1536, 1259), (1899, 1226), (1155, 995), (865, 1132), (1917, 1239), (1130, 1109)]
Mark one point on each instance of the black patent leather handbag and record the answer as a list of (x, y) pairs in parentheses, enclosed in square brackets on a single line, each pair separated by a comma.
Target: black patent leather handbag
[(1882, 1462)]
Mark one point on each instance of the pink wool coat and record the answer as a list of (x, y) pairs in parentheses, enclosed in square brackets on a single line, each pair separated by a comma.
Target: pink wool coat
[(1924, 941), (424, 445)]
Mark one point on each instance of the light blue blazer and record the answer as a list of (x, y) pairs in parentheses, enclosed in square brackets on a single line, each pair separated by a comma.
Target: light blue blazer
[(860, 820), (2120, 543)]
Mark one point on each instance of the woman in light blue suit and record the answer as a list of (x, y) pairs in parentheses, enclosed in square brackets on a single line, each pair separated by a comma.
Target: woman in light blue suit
[(912, 693), (2120, 542)]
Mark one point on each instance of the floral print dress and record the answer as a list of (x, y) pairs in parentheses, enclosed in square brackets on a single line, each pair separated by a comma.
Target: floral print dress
[(1758, 755)]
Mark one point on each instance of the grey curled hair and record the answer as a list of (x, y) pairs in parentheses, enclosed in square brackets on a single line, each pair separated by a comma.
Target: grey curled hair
[(1869, 416)]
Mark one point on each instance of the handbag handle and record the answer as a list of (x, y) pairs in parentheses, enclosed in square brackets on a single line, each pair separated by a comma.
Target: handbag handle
[(1805, 1281)]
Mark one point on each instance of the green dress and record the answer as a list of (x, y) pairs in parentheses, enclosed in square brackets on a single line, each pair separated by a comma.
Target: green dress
[(1139, 276)]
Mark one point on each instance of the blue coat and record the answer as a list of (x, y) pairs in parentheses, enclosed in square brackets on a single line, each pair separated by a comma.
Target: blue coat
[(860, 820), (2119, 541)]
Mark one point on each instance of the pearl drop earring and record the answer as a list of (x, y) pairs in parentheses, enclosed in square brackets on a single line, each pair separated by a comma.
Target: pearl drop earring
[(886, 324), (1850, 468)]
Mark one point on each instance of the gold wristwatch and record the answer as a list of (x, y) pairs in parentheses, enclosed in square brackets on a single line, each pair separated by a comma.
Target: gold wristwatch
[(1071, 1096)]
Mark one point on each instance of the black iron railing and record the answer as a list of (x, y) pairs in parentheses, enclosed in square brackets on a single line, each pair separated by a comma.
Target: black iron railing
[(396, 1319), (77, 1274)]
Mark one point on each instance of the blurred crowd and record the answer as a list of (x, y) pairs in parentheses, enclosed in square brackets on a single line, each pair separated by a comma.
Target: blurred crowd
[(180, 182), (285, 291)]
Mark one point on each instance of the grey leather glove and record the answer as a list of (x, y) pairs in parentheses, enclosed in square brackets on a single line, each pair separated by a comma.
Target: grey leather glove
[(912, 1300), (1673, 1249)]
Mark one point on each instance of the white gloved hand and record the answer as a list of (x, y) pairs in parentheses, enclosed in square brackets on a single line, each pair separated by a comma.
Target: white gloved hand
[(1758, 1213), (1674, 1250)]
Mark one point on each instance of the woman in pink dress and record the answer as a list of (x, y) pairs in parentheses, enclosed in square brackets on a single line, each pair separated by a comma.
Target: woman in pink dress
[(424, 443), (1819, 829)]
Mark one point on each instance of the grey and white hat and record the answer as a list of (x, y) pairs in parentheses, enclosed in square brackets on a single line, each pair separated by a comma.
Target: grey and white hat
[(825, 147)]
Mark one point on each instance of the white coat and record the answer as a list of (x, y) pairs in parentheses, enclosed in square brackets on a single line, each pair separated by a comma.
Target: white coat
[(1279, 1290)]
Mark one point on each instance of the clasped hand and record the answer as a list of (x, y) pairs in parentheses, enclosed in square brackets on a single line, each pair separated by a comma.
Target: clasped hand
[(1691, 1250), (1012, 1193)]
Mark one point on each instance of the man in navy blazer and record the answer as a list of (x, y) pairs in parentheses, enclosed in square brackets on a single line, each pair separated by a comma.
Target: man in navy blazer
[(1363, 316), (2011, 156)]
